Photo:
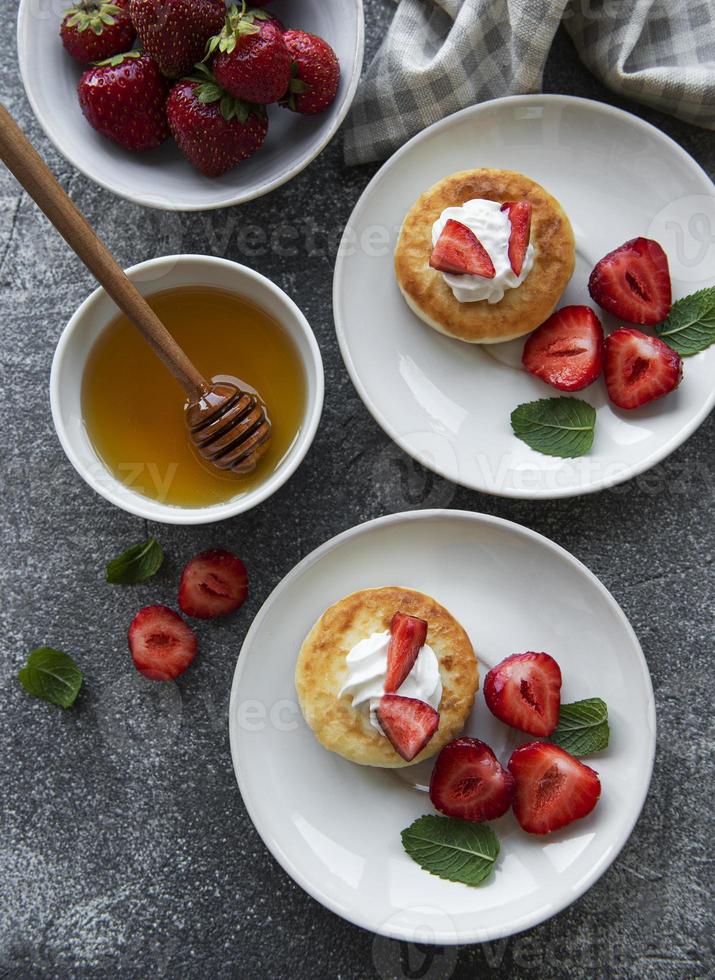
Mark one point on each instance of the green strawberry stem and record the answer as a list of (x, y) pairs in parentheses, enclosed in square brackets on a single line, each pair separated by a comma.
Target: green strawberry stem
[(92, 15), (208, 91), (238, 24), (296, 87), (118, 59)]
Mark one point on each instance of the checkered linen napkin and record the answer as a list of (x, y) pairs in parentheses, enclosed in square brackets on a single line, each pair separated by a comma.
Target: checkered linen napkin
[(441, 55)]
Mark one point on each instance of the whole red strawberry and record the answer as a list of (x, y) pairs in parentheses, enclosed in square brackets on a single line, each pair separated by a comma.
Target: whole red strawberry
[(124, 98), (315, 73), (251, 59), (92, 30), (214, 131), (175, 32)]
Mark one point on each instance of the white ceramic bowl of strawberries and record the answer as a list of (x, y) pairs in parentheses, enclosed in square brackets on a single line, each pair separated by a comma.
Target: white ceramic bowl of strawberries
[(162, 176)]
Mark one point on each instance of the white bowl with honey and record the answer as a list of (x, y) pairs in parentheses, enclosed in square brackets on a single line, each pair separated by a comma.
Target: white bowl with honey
[(119, 413)]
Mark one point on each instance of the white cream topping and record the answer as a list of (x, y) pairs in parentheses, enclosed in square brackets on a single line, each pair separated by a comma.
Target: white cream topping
[(367, 669), (492, 227)]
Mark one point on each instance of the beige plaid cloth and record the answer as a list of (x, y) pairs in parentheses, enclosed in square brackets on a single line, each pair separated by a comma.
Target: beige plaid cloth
[(441, 55)]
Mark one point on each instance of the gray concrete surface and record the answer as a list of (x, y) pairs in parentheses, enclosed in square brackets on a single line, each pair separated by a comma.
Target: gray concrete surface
[(125, 848)]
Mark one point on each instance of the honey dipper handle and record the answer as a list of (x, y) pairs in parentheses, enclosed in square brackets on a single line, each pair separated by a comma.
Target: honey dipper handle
[(20, 157)]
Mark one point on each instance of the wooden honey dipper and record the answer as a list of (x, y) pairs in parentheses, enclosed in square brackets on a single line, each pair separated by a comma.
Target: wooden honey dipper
[(228, 426)]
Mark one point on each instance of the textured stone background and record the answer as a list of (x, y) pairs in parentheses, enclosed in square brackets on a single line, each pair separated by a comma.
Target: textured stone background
[(125, 849)]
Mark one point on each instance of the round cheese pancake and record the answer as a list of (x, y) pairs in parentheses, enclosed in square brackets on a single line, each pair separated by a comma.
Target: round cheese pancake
[(322, 671), (522, 308)]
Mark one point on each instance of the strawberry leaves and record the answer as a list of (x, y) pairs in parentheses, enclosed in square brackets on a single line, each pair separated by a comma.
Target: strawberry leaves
[(92, 18), (296, 86), (457, 850), (208, 91), (562, 427), (118, 59), (238, 24), (689, 328)]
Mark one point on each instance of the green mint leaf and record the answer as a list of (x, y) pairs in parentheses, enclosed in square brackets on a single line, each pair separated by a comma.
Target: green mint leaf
[(136, 564), (689, 328), (51, 675), (453, 849), (583, 727), (556, 426)]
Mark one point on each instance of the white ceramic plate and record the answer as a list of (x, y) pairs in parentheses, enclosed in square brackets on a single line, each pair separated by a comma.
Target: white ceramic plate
[(335, 827), (448, 404), (162, 178)]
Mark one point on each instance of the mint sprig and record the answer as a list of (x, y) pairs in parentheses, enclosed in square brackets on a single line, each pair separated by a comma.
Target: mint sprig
[(689, 328), (453, 849), (136, 564), (583, 727), (556, 426), (51, 675)]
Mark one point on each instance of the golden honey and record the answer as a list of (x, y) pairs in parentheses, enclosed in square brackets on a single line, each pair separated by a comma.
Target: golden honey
[(134, 409)]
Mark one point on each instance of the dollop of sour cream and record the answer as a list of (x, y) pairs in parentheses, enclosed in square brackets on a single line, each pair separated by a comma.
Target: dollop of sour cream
[(367, 669), (492, 227)]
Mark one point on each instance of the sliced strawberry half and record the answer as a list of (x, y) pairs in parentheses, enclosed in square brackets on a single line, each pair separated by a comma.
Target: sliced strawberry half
[(459, 251), (552, 787), (633, 282), (213, 583), (469, 783), (567, 349), (408, 723), (520, 220), (524, 691), (639, 369), (408, 635), (161, 643)]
